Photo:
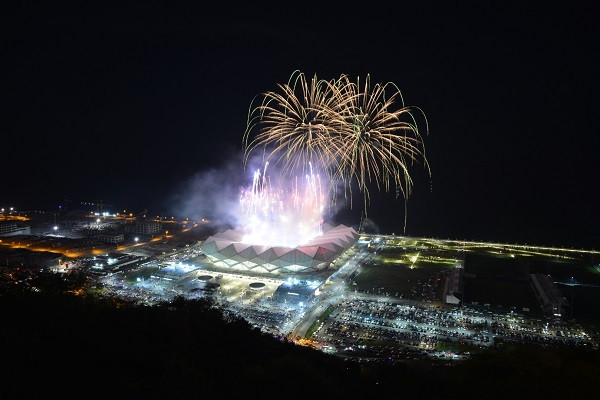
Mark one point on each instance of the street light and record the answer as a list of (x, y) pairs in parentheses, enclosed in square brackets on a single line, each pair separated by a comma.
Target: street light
[(55, 228), (136, 239)]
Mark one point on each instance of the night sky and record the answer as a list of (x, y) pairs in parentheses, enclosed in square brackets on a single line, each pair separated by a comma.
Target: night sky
[(127, 105)]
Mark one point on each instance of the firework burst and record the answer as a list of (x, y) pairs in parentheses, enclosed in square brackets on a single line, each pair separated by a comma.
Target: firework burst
[(379, 138), (297, 123), (355, 132)]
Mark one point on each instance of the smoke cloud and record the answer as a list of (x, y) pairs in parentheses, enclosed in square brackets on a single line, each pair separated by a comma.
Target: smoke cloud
[(214, 194)]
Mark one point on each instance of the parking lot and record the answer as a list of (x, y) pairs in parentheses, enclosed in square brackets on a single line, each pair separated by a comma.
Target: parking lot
[(363, 321)]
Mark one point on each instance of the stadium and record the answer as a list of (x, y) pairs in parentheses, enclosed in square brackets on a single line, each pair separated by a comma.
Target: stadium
[(226, 249)]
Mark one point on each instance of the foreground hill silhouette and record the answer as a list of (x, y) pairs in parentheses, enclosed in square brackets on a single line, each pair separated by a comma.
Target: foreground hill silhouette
[(61, 344)]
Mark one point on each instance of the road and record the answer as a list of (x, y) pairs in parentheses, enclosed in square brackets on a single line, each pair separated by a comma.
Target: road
[(333, 293)]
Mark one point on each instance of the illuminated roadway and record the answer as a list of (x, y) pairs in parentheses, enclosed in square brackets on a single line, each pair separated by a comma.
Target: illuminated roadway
[(332, 293), (458, 244), (30, 242)]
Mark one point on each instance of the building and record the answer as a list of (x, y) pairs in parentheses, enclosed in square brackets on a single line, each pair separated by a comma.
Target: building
[(23, 258), (11, 229), (174, 272), (548, 295), (226, 249), (453, 288), (147, 228), (111, 237)]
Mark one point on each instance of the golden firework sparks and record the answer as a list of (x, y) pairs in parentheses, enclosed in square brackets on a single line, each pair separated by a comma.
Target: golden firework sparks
[(356, 132)]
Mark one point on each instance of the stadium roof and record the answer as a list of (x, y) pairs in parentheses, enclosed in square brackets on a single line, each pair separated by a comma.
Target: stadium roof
[(227, 249)]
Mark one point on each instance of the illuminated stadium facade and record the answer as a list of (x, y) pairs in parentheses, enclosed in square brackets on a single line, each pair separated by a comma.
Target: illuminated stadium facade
[(226, 249)]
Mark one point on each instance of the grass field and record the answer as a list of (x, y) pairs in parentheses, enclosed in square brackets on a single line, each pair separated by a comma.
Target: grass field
[(493, 266), (396, 279), (424, 259), (500, 292), (562, 270), (584, 302), (569, 272)]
